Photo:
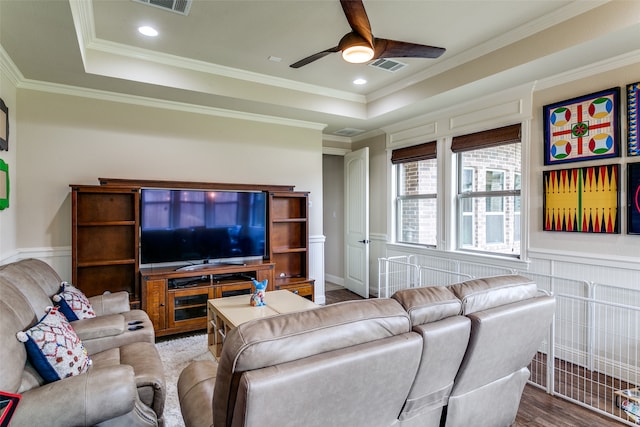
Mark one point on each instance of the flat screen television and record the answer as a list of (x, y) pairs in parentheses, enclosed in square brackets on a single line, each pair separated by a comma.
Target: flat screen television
[(199, 226)]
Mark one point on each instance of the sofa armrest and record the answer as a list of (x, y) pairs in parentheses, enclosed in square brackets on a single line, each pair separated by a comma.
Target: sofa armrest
[(99, 327), (110, 303), (195, 393), (87, 399)]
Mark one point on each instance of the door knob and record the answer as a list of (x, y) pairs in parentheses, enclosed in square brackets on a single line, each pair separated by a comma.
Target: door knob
[(364, 241)]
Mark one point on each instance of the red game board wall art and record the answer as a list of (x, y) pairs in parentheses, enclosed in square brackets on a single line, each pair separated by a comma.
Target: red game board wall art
[(582, 199), (582, 128), (633, 196)]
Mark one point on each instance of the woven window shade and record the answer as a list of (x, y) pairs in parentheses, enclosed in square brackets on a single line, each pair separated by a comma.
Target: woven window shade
[(414, 153), (486, 139)]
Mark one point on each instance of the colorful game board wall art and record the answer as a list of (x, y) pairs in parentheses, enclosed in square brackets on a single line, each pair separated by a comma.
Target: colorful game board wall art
[(582, 199), (633, 101), (633, 196), (582, 128)]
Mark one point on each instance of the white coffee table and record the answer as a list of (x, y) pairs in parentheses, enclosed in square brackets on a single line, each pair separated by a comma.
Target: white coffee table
[(223, 314)]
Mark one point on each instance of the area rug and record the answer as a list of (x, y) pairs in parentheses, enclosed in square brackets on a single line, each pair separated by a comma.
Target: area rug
[(176, 353)]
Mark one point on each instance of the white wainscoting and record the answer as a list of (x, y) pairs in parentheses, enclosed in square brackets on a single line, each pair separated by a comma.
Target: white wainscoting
[(59, 258), (377, 249), (316, 266)]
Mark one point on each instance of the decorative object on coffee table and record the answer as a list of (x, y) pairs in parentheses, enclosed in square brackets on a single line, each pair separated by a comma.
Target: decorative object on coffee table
[(259, 288)]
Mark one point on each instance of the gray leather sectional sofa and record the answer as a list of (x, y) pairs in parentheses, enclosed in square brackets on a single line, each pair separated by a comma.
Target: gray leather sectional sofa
[(124, 386), (437, 356)]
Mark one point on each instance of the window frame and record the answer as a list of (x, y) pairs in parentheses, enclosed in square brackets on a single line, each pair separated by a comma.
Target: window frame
[(400, 198), (448, 205), (461, 196)]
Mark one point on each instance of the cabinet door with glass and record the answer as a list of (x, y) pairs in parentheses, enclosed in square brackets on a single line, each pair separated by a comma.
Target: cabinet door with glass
[(188, 307)]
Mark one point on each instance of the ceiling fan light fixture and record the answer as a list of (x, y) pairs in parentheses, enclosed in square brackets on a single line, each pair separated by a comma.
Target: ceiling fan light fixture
[(357, 54)]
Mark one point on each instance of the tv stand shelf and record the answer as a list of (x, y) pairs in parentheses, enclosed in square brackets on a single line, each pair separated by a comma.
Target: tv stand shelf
[(176, 299)]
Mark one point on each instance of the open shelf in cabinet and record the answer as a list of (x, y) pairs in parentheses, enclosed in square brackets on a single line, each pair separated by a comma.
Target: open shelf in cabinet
[(289, 241), (105, 240)]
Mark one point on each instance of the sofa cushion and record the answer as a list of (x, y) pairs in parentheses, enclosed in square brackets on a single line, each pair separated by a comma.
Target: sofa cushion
[(73, 303), (428, 304), (100, 327), (482, 294), (54, 348)]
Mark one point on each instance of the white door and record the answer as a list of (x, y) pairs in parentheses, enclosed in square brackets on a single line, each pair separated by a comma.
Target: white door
[(356, 223)]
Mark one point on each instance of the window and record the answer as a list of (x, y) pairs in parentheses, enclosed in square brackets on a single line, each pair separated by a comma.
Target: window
[(516, 208), (416, 194), (494, 232), (488, 194), (467, 227)]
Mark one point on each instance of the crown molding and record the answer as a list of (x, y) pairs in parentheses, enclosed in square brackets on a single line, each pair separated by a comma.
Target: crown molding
[(603, 66), (9, 69), (168, 105)]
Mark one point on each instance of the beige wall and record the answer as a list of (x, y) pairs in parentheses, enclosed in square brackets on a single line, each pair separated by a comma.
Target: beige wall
[(68, 139), (609, 246), (8, 217)]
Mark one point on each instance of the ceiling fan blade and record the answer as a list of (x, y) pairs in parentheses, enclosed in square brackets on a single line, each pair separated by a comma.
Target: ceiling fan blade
[(385, 48), (314, 57), (358, 20)]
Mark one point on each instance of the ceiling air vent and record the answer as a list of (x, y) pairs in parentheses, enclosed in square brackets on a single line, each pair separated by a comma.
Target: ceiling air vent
[(348, 132), (178, 6), (387, 65)]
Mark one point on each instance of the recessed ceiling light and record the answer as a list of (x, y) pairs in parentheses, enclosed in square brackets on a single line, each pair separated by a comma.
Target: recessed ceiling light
[(148, 31), (359, 82)]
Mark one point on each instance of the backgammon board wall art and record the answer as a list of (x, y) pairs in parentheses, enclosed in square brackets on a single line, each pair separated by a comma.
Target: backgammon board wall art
[(582, 128), (582, 199)]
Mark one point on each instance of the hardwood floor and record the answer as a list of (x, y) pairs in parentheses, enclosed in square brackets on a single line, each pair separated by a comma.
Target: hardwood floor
[(537, 408)]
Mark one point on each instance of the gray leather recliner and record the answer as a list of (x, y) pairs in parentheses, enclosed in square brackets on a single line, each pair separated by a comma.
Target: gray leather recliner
[(435, 315), (509, 321), (115, 324), (460, 360), (347, 364), (123, 386)]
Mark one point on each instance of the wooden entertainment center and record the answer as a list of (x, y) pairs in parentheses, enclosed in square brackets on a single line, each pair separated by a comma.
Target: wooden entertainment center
[(105, 253)]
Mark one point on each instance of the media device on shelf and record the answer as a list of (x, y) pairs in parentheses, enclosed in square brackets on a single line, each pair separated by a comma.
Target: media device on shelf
[(201, 226)]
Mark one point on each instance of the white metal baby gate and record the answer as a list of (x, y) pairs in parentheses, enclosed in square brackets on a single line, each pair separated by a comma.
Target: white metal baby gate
[(593, 346)]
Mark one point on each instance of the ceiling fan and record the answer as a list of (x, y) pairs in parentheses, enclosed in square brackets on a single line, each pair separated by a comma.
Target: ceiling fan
[(360, 45)]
